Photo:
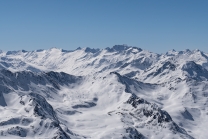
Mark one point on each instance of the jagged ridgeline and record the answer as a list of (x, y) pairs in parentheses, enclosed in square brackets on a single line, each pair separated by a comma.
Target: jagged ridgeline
[(119, 92)]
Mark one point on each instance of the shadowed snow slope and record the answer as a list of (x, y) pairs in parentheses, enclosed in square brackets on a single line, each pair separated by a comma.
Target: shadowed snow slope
[(121, 92)]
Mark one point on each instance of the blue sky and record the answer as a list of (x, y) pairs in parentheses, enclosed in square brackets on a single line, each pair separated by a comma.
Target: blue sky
[(157, 26)]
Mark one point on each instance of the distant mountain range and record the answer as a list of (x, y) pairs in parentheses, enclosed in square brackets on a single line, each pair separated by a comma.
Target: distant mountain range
[(121, 92)]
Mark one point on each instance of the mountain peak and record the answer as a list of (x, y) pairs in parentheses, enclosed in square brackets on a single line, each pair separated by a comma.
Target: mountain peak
[(79, 48), (121, 47), (195, 70), (54, 49), (171, 52), (91, 50), (124, 47), (117, 48)]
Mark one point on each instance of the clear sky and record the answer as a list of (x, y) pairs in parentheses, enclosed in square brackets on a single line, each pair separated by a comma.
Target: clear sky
[(154, 25)]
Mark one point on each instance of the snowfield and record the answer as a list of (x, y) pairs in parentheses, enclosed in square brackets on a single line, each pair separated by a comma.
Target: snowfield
[(121, 92)]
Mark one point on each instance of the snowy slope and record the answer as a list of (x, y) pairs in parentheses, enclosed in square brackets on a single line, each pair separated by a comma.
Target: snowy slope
[(58, 105), (118, 92)]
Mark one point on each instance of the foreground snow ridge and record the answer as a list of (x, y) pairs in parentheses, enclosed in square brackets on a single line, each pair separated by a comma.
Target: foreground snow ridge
[(121, 92)]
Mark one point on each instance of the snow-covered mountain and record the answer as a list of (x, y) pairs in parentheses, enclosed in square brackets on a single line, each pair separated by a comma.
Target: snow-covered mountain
[(118, 92)]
